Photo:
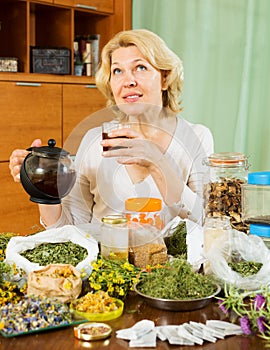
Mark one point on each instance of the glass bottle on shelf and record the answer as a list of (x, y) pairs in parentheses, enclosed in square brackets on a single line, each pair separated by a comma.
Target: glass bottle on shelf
[(222, 187)]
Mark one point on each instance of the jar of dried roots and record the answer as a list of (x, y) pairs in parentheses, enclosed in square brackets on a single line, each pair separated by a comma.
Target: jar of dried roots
[(222, 187)]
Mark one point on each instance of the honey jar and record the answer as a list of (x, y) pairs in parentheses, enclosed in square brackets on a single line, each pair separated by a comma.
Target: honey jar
[(114, 242)]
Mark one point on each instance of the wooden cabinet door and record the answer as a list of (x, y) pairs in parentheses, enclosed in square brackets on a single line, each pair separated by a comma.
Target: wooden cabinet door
[(96, 5), (17, 213), (29, 111), (84, 107)]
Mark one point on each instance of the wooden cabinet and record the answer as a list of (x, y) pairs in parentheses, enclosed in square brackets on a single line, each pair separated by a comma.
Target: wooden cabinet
[(29, 110), (81, 116), (17, 214), (47, 105)]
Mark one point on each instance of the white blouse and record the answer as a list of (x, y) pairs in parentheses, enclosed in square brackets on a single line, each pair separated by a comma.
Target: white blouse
[(103, 185)]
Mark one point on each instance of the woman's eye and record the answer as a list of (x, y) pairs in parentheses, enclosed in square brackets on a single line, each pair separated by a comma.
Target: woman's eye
[(116, 71), (141, 67)]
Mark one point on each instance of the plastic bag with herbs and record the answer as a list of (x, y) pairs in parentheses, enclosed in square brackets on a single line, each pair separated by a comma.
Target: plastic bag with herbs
[(17, 246), (240, 260)]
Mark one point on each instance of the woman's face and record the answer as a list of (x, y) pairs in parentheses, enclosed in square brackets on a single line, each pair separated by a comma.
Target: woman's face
[(136, 84)]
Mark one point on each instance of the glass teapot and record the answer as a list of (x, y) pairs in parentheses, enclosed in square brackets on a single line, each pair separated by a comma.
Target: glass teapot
[(47, 173)]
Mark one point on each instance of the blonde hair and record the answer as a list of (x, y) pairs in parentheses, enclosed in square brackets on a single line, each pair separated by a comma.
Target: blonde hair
[(158, 55)]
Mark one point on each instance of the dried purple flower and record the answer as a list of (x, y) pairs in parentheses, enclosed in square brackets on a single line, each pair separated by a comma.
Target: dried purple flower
[(222, 307), (259, 301), (245, 325), (261, 324)]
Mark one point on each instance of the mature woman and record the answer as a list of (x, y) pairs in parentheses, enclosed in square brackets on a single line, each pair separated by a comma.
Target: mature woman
[(160, 153)]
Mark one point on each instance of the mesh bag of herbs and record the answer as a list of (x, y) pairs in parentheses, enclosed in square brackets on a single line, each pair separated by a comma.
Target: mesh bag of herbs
[(240, 260), (65, 245)]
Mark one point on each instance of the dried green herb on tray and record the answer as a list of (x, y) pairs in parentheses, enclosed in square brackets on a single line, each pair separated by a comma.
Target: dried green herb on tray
[(176, 280), (246, 268), (56, 253)]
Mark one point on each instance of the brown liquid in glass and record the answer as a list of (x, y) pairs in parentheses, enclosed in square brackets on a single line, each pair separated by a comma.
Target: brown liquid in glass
[(105, 136)]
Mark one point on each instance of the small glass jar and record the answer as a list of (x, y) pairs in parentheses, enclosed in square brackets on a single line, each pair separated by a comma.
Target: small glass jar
[(222, 185), (213, 228), (262, 231), (256, 198), (145, 210), (114, 241)]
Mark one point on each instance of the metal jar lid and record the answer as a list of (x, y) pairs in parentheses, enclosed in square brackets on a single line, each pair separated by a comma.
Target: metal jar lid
[(114, 219), (227, 160)]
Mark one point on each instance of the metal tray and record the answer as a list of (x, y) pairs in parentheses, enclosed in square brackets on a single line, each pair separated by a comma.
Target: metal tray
[(177, 305)]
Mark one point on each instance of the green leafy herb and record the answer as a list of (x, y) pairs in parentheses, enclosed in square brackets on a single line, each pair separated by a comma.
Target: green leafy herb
[(245, 268), (176, 280), (56, 253), (176, 241)]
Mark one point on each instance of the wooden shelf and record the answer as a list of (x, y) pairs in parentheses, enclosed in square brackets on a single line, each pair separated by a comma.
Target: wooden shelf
[(47, 105)]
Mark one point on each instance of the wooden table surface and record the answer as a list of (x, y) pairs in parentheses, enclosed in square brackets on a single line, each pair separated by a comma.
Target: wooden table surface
[(135, 310)]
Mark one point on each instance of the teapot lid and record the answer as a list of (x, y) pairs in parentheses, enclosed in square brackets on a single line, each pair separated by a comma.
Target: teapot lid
[(50, 150)]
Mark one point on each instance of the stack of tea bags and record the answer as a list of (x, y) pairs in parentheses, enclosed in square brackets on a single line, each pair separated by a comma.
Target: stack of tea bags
[(144, 333)]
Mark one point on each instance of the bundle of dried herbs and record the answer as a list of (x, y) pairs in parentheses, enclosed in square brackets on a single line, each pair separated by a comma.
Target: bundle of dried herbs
[(56, 253), (176, 241), (176, 280)]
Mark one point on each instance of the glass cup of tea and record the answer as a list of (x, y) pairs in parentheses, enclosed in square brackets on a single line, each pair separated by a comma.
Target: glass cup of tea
[(107, 127)]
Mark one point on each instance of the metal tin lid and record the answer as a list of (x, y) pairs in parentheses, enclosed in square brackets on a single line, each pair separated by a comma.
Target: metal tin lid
[(259, 178), (92, 331), (143, 204), (260, 230), (114, 219), (49, 151), (227, 159)]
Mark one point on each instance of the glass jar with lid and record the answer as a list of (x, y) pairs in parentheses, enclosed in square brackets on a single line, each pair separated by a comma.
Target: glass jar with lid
[(222, 186), (145, 222), (114, 241), (256, 198), (144, 210), (261, 230)]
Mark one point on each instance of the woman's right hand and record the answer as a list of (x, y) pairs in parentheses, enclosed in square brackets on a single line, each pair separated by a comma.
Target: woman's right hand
[(16, 159)]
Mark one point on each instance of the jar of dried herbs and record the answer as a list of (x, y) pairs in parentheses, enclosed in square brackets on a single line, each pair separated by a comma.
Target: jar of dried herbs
[(222, 187)]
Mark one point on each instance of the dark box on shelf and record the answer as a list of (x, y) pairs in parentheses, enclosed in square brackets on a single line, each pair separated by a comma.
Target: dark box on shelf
[(50, 60)]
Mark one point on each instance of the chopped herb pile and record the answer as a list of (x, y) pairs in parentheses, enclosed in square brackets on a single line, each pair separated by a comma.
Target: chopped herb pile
[(56, 253), (176, 241), (245, 268), (176, 280), (4, 239)]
